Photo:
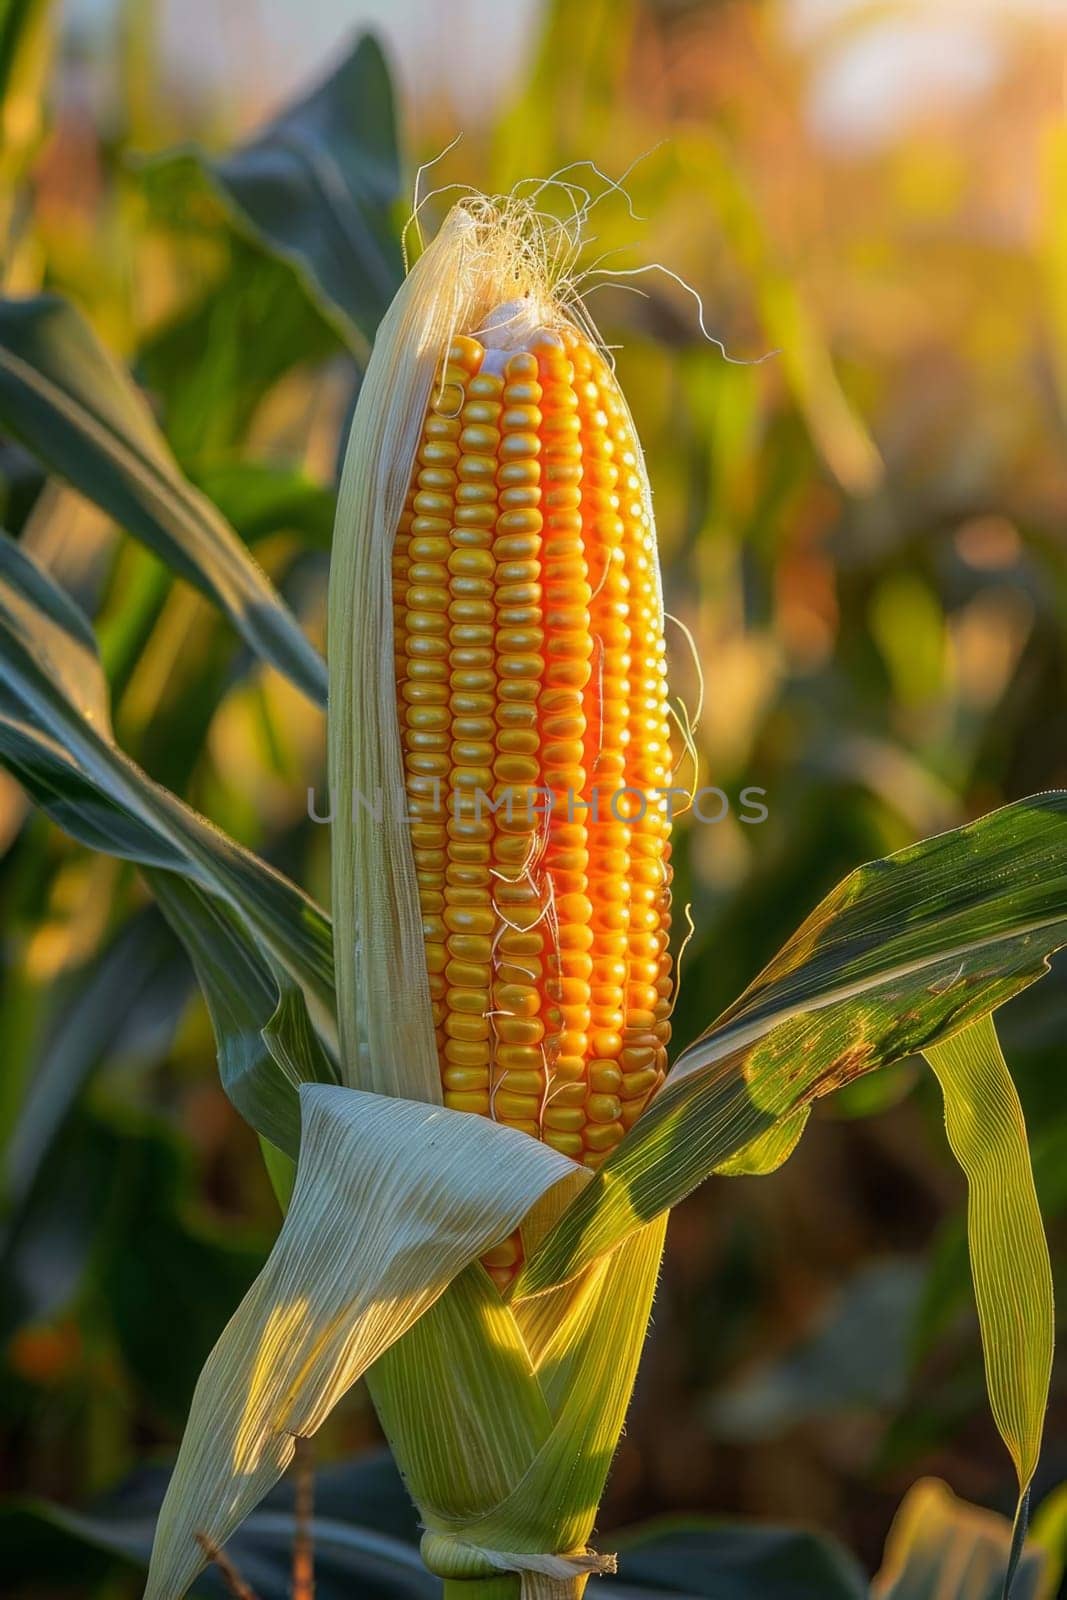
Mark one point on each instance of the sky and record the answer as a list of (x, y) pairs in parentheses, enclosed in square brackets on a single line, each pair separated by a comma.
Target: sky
[(267, 49), (871, 71)]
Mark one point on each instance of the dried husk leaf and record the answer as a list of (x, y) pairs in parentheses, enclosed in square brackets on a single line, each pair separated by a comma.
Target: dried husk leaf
[(392, 1200)]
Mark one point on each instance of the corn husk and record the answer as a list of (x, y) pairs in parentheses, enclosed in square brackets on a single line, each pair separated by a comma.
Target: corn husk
[(392, 1201), (504, 1419)]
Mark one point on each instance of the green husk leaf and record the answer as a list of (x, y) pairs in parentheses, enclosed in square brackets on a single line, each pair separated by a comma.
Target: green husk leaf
[(587, 1369), (69, 402), (459, 1400), (559, 1369), (392, 1201), (1009, 1255), (905, 952), (56, 737)]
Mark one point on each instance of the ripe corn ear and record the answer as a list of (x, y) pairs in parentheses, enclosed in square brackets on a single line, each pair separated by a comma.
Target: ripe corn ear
[(498, 680), (531, 692)]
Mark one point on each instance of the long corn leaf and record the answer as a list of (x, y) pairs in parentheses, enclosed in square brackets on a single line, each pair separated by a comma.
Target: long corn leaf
[(267, 1046), (319, 188), (69, 402), (905, 952), (1009, 1255), (55, 736), (940, 1546)]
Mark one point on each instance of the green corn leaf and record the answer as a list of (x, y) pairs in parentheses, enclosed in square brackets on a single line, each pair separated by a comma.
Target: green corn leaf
[(1009, 1256), (903, 953), (141, 966), (319, 187), (281, 1171), (392, 1201), (767, 1152), (266, 1044), (55, 736), (940, 1546), (261, 498), (1048, 1535), (69, 402), (375, 1557), (719, 1560), (27, 31), (216, 359)]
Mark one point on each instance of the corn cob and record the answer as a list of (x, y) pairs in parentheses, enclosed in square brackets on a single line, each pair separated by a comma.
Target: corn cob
[(531, 683)]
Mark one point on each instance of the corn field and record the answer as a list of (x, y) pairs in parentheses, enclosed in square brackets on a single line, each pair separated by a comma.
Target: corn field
[(533, 805)]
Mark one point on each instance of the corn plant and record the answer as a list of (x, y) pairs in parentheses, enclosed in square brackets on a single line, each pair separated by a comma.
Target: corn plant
[(462, 1086)]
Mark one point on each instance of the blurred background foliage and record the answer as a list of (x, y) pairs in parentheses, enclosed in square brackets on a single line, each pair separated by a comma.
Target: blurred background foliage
[(863, 533)]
